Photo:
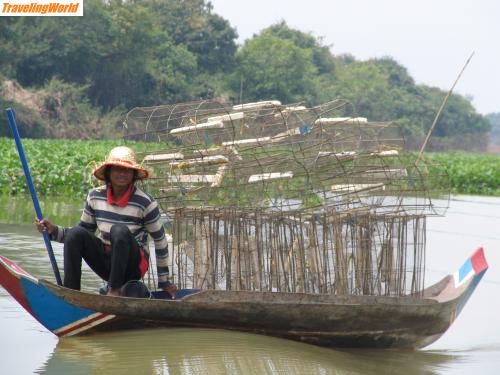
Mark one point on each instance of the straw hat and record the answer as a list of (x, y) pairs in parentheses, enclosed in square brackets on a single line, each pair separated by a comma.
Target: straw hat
[(121, 157)]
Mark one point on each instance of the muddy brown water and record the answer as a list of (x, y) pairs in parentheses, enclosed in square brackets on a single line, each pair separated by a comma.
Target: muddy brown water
[(472, 344)]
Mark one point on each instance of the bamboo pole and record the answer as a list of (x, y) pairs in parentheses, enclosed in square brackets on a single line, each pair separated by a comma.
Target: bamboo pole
[(438, 114), (235, 264)]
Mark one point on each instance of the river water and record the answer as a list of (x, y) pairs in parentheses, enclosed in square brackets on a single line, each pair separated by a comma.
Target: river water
[(472, 344)]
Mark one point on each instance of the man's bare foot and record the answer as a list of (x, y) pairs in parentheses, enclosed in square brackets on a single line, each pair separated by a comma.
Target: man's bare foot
[(114, 292)]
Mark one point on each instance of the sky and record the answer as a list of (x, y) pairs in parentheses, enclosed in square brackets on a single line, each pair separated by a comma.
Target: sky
[(431, 38)]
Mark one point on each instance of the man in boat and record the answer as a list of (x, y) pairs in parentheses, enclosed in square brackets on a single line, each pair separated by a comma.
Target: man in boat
[(124, 215)]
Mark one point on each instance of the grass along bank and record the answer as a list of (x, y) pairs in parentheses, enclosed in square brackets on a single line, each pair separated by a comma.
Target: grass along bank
[(63, 167)]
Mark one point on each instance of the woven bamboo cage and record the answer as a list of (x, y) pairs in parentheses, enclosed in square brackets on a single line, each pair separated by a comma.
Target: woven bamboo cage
[(288, 198)]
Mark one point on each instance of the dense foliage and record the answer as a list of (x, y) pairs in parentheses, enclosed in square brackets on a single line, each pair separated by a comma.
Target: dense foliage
[(58, 167), (78, 75), (469, 173), (63, 167)]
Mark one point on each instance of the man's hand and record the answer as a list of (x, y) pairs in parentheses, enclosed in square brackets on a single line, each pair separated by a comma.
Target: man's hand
[(44, 225), (171, 289)]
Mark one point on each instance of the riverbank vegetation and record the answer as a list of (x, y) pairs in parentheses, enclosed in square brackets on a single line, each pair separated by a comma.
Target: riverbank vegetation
[(76, 77), (469, 173), (58, 167), (63, 167)]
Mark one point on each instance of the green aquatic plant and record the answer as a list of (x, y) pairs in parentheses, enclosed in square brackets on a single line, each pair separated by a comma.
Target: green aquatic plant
[(469, 173), (58, 167), (63, 167)]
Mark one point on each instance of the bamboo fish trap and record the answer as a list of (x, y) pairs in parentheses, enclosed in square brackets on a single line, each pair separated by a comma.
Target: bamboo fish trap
[(288, 198)]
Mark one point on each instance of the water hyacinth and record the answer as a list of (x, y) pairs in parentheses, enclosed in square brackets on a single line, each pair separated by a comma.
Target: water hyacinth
[(58, 167), (470, 173), (63, 167)]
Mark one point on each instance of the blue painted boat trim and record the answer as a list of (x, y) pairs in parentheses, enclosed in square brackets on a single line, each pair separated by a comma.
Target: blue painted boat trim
[(468, 293), (464, 270), (51, 311)]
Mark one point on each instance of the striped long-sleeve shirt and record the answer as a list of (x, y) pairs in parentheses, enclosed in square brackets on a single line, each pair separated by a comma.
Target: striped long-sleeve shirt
[(141, 215)]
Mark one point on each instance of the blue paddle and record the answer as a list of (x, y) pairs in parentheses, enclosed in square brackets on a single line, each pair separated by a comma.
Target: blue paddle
[(31, 187)]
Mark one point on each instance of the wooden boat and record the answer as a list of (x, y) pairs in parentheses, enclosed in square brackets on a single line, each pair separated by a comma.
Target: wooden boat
[(291, 222), (320, 319)]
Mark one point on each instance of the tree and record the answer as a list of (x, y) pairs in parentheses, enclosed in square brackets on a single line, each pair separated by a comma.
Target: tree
[(274, 68), (458, 117), (127, 53), (142, 65), (382, 90), (321, 55), (9, 50), (206, 35), (117, 48), (68, 47)]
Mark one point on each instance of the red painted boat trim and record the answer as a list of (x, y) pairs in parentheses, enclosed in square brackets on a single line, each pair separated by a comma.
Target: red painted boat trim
[(11, 281), (86, 322), (478, 261)]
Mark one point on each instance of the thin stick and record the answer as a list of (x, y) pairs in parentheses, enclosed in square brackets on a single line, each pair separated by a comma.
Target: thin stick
[(440, 110)]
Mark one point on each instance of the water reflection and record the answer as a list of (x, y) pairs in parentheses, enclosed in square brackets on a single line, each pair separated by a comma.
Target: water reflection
[(25, 246), (19, 209), (474, 337), (206, 351)]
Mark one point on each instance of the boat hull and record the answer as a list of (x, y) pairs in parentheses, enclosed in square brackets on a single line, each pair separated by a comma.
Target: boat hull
[(372, 322), (324, 320)]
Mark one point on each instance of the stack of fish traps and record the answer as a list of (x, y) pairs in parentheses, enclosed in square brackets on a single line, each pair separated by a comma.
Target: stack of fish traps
[(288, 198)]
